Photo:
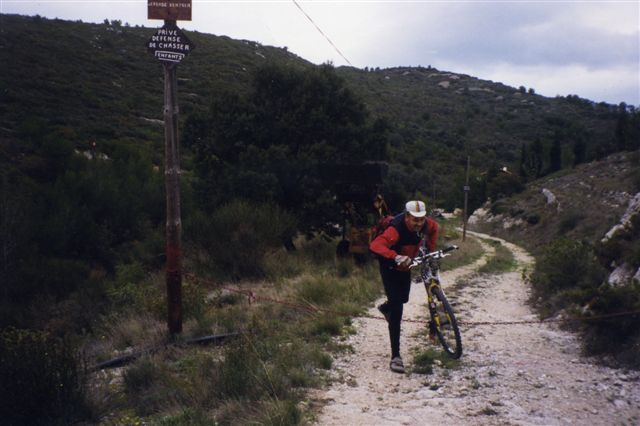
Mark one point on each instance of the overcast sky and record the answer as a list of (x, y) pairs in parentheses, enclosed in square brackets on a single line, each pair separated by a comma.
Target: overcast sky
[(588, 48)]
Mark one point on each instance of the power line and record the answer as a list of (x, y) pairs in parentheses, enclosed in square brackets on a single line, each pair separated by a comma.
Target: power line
[(320, 31)]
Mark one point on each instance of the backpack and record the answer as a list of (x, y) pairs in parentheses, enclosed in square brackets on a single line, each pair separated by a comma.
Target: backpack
[(382, 224)]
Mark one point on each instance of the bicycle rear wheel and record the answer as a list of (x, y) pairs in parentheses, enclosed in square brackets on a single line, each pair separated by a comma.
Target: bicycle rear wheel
[(446, 326)]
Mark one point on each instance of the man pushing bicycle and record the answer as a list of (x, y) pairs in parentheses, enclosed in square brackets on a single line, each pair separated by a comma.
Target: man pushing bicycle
[(396, 247)]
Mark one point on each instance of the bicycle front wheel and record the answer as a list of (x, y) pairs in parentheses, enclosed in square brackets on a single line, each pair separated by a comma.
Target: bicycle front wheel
[(446, 326)]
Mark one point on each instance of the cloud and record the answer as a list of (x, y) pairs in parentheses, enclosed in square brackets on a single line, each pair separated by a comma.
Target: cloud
[(587, 43), (613, 85), (590, 49)]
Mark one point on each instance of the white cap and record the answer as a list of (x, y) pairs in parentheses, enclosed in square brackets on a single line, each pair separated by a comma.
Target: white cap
[(416, 208)]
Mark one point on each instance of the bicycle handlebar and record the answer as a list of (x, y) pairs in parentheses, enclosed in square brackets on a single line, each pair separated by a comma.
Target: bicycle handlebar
[(439, 254)]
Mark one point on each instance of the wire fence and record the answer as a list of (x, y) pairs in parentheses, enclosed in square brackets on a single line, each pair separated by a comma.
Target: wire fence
[(310, 308)]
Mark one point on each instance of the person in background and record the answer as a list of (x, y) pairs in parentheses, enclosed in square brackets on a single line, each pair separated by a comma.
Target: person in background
[(395, 248)]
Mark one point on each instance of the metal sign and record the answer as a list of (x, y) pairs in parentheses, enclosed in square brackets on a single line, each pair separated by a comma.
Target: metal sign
[(170, 44), (171, 10)]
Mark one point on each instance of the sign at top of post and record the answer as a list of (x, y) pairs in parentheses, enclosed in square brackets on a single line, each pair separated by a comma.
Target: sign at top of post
[(170, 10)]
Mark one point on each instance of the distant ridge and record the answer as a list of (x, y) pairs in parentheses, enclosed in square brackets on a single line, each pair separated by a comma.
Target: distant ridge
[(99, 81)]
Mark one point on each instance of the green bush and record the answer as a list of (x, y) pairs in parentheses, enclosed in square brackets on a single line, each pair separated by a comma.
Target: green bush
[(238, 236), (568, 277), (569, 221), (140, 376), (566, 265), (150, 386), (280, 413), (499, 207), (618, 336), (43, 380), (188, 417), (533, 218)]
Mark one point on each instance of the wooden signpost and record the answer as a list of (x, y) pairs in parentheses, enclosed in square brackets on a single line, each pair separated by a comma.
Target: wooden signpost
[(171, 46)]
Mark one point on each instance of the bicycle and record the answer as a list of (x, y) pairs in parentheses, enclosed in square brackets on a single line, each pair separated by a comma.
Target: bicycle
[(443, 321)]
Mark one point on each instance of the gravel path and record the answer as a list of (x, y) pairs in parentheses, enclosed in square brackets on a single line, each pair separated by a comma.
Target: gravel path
[(510, 375)]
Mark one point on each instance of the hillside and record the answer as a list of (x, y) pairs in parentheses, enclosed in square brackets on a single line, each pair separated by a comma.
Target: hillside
[(581, 203), (442, 117), (100, 83), (97, 82)]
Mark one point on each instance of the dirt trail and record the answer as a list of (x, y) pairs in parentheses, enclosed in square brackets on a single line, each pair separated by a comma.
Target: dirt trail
[(510, 375)]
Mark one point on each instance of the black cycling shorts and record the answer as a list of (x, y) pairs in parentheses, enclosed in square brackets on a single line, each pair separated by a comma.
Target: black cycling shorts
[(397, 284)]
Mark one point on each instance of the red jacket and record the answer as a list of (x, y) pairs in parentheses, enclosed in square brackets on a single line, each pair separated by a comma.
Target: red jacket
[(397, 239)]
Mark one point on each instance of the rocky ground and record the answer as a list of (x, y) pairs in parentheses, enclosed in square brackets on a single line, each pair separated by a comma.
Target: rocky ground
[(524, 374)]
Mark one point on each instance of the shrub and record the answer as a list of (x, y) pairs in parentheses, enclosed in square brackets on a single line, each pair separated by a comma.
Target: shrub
[(533, 218), (567, 276), (188, 417), (280, 413), (150, 386), (238, 236), (566, 264), (618, 336), (499, 207), (42, 378), (569, 221)]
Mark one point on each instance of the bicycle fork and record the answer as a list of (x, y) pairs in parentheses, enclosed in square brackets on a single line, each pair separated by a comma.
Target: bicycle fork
[(434, 323)]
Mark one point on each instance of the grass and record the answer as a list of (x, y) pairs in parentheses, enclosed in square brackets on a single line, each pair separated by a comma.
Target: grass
[(470, 251), (257, 378), (502, 261), (424, 361)]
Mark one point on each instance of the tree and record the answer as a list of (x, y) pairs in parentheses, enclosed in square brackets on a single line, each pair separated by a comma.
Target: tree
[(271, 145), (622, 128), (537, 155), (579, 150), (524, 162), (531, 160), (555, 154)]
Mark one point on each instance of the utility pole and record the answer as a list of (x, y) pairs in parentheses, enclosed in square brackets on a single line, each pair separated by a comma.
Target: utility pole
[(171, 46), (466, 199)]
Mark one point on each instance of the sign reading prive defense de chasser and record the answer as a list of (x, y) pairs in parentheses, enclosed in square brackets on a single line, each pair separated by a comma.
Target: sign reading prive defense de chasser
[(170, 44), (171, 10)]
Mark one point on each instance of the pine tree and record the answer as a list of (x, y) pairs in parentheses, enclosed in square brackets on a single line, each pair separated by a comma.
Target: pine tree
[(579, 150), (524, 162), (555, 154), (537, 162), (622, 128)]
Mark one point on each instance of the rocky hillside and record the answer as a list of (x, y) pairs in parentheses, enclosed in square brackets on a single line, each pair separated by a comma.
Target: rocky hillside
[(598, 202)]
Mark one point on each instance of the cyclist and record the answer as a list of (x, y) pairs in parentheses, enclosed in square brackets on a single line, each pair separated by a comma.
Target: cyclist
[(395, 248)]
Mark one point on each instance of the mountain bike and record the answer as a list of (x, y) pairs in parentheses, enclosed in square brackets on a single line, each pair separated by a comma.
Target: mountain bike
[(443, 322)]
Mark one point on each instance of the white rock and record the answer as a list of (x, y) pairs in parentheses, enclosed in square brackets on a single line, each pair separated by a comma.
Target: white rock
[(549, 196), (625, 226), (621, 275)]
